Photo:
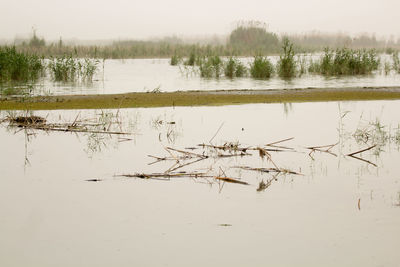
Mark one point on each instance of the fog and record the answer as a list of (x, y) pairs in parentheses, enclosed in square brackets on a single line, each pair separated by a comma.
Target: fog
[(119, 19)]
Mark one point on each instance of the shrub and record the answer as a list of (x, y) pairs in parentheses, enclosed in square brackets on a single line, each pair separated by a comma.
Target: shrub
[(261, 68), (287, 64), (234, 68)]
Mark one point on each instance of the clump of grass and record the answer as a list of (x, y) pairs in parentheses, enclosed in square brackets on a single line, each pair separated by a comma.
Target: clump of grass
[(211, 66), (234, 68), (396, 62), (175, 60), (387, 68), (20, 67), (69, 69), (314, 67), (286, 67), (302, 62), (346, 62), (191, 60), (376, 133), (261, 68)]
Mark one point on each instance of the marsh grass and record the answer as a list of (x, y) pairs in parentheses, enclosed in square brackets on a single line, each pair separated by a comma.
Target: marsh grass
[(19, 67), (396, 62), (234, 68), (346, 61), (211, 66), (302, 64), (387, 67), (261, 68), (191, 60), (175, 60), (287, 66), (70, 69)]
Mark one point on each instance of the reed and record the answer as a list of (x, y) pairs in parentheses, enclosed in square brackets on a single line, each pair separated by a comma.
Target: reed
[(396, 62), (175, 60), (70, 69), (19, 67), (346, 61), (211, 66)]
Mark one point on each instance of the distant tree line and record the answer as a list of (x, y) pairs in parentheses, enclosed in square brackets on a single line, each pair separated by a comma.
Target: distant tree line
[(249, 38)]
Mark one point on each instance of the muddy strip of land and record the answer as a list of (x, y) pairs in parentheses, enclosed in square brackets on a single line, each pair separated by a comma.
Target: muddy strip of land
[(198, 98)]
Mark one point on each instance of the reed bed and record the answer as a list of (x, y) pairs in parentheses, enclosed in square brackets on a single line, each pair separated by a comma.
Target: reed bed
[(18, 66), (69, 69), (346, 61)]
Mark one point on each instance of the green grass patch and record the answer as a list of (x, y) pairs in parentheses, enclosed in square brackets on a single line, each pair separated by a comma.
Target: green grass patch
[(196, 98)]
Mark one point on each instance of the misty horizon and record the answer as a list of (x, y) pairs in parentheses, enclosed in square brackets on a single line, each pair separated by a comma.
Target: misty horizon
[(122, 19)]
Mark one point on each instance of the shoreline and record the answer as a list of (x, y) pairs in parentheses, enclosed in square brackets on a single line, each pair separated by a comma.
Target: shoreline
[(198, 98)]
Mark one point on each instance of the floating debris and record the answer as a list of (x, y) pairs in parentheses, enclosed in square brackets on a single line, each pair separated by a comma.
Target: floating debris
[(359, 158), (94, 180), (263, 185), (27, 120)]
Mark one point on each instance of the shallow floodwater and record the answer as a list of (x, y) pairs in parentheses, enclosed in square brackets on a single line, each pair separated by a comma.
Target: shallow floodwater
[(340, 211), (146, 75)]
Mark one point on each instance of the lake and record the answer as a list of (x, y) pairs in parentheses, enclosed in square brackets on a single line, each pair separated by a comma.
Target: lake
[(65, 201)]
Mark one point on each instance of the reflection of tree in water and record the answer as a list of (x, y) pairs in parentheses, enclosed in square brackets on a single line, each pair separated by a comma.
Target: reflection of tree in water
[(287, 108)]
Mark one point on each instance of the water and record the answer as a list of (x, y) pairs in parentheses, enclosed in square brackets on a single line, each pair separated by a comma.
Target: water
[(340, 212), (145, 75)]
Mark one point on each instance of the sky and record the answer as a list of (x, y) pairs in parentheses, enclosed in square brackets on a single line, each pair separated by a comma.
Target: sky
[(124, 19)]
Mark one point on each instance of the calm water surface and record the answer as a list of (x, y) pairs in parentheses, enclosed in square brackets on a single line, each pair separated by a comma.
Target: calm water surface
[(340, 212)]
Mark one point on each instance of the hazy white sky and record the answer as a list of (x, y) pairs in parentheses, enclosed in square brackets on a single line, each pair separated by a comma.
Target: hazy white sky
[(103, 19)]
